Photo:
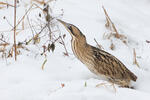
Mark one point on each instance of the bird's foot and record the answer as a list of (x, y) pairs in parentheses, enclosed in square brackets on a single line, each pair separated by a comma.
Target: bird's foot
[(107, 85), (101, 84)]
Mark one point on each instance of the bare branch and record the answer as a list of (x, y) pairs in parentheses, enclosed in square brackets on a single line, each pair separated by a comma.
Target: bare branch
[(15, 1), (134, 58), (99, 46)]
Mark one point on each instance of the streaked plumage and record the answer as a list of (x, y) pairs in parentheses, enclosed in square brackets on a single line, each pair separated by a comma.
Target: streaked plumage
[(98, 61)]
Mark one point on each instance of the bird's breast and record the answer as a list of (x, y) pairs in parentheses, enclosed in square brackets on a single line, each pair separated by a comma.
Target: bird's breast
[(84, 55)]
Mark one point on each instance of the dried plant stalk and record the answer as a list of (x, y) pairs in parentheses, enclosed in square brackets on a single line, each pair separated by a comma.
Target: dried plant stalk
[(63, 43), (3, 3), (48, 19), (42, 2), (23, 16), (23, 25), (111, 26), (99, 46), (110, 22), (134, 58), (13, 51), (38, 1), (112, 46), (44, 64), (15, 1)]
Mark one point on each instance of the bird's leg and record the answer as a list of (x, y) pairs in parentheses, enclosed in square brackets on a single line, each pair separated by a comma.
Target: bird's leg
[(106, 85), (113, 85)]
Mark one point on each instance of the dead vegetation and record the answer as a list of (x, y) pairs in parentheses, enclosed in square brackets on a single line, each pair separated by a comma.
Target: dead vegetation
[(5, 4), (99, 46), (15, 47), (46, 30), (112, 31), (134, 58)]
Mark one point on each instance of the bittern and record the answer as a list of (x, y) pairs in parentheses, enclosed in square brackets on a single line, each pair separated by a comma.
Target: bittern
[(98, 61)]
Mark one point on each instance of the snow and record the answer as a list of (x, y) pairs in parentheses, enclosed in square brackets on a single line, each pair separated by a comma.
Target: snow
[(25, 79)]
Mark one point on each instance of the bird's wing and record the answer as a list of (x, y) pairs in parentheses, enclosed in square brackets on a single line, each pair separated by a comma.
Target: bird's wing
[(111, 66)]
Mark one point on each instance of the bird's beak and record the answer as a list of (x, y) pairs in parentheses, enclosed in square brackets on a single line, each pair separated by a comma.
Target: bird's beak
[(67, 26)]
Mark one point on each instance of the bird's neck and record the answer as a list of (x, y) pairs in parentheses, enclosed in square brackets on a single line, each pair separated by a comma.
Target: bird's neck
[(78, 47)]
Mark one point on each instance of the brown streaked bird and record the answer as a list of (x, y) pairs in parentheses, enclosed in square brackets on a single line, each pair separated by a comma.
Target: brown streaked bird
[(98, 61)]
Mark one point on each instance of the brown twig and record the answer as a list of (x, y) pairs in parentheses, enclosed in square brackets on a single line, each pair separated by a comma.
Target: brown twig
[(30, 25), (23, 16), (109, 24), (99, 46), (26, 14), (20, 29), (113, 32), (48, 19), (3, 3), (63, 43), (109, 21), (112, 46), (3, 40), (8, 22), (43, 1), (134, 58), (38, 1), (15, 1), (44, 64)]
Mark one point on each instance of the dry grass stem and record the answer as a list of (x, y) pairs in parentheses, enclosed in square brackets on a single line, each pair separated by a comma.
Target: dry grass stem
[(134, 58), (48, 19), (7, 4), (30, 26), (15, 2), (112, 46), (44, 33), (99, 46), (110, 23), (112, 28), (8, 22), (39, 1), (44, 64), (63, 43), (23, 17), (42, 1), (26, 14)]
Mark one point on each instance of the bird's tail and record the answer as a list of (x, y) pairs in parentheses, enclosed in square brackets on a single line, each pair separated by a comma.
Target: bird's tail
[(133, 77)]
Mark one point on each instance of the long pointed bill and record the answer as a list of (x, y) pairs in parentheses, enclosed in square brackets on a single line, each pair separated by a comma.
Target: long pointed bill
[(67, 26)]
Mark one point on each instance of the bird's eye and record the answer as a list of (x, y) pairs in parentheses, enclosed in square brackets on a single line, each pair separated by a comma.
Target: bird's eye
[(70, 28)]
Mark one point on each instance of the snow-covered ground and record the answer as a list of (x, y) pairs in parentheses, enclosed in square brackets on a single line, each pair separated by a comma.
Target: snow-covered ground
[(66, 78)]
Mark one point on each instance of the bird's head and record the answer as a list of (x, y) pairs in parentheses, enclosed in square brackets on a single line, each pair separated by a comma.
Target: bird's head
[(73, 30)]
